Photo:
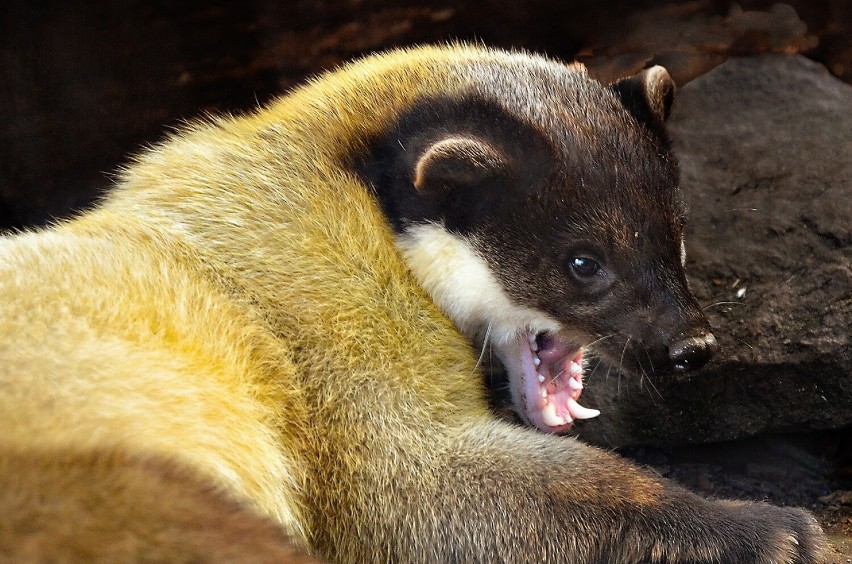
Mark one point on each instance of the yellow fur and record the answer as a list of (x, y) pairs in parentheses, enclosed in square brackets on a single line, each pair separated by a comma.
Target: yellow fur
[(213, 307)]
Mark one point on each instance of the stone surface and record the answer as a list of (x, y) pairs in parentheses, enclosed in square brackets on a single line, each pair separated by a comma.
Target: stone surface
[(765, 145)]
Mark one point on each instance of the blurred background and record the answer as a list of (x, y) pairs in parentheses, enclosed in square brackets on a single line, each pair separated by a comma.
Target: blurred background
[(84, 84)]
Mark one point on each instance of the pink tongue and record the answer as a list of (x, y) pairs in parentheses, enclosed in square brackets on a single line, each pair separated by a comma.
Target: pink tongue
[(563, 387), (561, 383), (554, 354), (551, 347)]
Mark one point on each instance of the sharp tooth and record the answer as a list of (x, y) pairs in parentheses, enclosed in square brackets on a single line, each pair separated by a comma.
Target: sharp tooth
[(541, 378), (544, 393), (575, 369), (536, 361), (549, 417), (577, 411), (575, 384)]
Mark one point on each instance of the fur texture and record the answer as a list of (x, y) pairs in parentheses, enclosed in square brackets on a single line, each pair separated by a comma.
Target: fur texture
[(237, 306), (542, 212), (99, 506)]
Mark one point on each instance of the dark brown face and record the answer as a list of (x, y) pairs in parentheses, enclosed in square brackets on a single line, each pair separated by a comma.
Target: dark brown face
[(576, 212), (600, 250)]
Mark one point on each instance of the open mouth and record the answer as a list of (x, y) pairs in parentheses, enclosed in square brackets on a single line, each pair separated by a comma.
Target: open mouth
[(547, 380)]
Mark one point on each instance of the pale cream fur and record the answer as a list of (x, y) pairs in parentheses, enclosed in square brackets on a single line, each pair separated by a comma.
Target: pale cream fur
[(462, 283)]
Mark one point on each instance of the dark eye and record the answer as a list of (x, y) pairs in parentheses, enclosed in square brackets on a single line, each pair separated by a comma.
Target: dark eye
[(584, 267)]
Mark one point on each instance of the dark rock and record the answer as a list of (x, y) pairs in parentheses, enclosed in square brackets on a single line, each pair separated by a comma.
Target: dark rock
[(696, 38), (781, 469), (765, 145)]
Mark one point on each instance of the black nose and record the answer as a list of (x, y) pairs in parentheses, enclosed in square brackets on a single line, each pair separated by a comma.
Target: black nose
[(692, 353)]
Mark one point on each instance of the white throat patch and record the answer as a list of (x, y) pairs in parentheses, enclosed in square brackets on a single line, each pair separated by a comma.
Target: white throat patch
[(462, 284)]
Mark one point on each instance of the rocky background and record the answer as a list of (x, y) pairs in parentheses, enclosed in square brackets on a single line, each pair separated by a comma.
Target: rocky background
[(762, 123), (765, 146)]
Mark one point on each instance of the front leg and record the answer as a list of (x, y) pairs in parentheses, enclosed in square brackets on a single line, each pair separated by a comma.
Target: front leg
[(557, 497), (492, 492)]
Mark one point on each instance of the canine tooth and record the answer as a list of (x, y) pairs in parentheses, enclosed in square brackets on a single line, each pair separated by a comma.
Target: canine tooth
[(575, 369), (577, 411), (536, 361), (549, 417), (533, 342), (575, 384), (543, 393), (541, 378)]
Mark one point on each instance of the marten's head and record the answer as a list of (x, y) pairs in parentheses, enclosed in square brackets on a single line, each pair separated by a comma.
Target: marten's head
[(541, 211)]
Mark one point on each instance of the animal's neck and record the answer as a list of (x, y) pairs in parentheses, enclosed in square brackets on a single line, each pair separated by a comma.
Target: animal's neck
[(244, 193)]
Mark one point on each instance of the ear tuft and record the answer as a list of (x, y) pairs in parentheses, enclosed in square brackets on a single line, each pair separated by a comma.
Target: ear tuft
[(456, 161), (647, 95)]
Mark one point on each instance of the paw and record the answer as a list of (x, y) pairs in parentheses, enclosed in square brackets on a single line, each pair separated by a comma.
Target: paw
[(779, 534), (804, 541)]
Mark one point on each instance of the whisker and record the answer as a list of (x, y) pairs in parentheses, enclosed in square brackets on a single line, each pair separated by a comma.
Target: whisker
[(600, 360), (753, 350), (721, 303), (593, 370), (485, 343), (651, 385), (650, 361), (598, 340), (744, 343), (621, 362), (623, 350)]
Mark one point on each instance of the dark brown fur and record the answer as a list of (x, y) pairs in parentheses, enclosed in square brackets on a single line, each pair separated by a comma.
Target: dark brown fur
[(102, 506), (600, 183)]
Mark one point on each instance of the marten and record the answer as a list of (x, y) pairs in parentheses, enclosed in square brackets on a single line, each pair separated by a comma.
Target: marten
[(283, 304)]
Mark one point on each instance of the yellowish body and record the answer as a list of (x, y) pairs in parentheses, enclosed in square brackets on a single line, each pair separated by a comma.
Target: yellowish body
[(231, 299)]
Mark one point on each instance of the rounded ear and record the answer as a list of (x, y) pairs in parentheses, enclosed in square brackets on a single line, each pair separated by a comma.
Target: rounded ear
[(456, 161), (647, 95)]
